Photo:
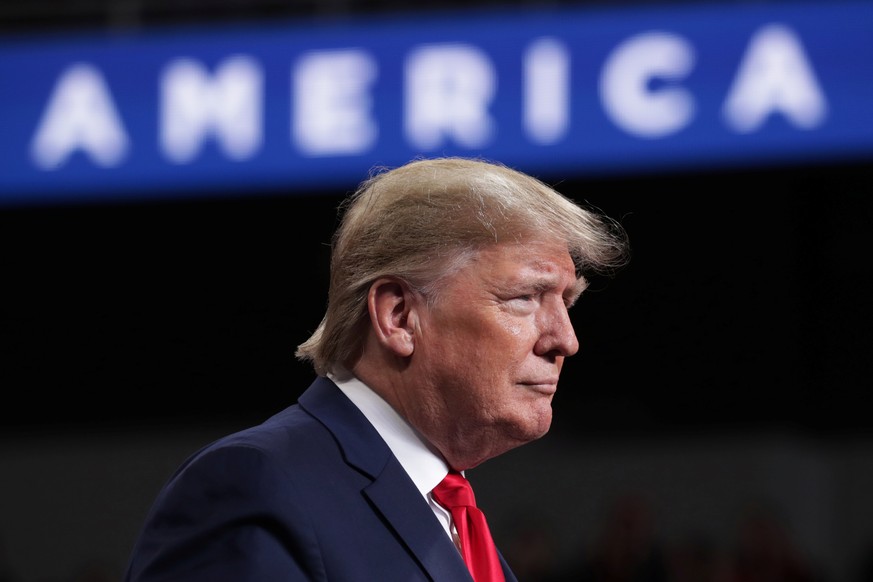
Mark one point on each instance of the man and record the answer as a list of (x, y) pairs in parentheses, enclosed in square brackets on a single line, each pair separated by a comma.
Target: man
[(446, 329)]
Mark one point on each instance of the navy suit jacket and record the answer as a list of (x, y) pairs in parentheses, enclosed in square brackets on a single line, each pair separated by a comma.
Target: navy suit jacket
[(313, 493)]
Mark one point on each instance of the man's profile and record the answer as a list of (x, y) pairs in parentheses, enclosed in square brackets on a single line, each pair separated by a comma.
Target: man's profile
[(446, 329)]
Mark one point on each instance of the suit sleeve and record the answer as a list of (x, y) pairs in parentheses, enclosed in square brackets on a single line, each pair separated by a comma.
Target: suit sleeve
[(229, 514)]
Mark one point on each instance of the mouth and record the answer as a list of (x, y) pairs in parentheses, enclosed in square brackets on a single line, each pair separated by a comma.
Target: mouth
[(545, 387)]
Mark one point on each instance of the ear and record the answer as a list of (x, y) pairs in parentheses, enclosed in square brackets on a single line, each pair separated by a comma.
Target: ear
[(390, 302)]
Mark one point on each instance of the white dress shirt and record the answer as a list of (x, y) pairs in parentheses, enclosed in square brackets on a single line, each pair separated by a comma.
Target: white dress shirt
[(424, 466)]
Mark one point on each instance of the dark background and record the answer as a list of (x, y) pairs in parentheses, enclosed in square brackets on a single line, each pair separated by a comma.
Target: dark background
[(729, 361), (746, 305)]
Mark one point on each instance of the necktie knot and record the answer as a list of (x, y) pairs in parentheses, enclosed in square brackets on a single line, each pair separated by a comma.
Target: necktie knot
[(477, 548), (454, 491)]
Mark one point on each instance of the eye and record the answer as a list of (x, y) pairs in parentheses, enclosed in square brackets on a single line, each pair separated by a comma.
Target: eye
[(524, 303)]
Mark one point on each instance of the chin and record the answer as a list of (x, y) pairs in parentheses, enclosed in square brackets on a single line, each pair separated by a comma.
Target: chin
[(534, 428)]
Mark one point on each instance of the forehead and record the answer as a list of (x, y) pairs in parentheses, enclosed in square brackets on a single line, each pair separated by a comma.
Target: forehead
[(540, 263), (541, 255)]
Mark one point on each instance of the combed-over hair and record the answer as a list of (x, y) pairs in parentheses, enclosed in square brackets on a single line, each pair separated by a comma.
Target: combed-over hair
[(424, 220)]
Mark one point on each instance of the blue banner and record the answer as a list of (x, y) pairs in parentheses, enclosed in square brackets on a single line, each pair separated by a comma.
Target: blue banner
[(569, 92)]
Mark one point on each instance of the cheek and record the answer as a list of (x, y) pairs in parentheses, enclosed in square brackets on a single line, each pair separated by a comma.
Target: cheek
[(514, 330), (516, 333), (509, 325)]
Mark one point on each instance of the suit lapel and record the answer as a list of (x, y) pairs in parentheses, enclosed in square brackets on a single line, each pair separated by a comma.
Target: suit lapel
[(397, 498), (362, 445), (391, 492)]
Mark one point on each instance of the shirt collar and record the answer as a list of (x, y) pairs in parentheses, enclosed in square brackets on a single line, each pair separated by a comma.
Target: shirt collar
[(424, 466)]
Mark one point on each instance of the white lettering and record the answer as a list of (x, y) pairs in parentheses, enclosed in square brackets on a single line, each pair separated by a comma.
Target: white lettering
[(195, 107), (546, 91), (774, 77), (627, 91), (332, 103), (448, 91), (80, 116)]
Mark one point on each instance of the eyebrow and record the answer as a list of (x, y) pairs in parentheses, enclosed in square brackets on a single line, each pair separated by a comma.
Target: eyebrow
[(576, 290), (546, 283)]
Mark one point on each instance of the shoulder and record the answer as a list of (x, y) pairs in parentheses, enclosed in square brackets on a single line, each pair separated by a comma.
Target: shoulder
[(235, 498), (284, 442)]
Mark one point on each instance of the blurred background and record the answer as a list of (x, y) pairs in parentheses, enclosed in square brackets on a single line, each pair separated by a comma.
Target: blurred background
[(169, 184)]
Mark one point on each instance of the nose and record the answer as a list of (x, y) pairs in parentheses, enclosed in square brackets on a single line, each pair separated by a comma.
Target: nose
[(557, 336)]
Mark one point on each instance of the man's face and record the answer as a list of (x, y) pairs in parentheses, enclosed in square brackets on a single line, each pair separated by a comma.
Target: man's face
[(490, 351)]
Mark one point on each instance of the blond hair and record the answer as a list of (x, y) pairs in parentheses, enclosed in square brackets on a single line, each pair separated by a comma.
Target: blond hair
[(422, 221)]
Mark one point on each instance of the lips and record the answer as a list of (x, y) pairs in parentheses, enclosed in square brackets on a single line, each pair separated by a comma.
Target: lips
[(547, 387)]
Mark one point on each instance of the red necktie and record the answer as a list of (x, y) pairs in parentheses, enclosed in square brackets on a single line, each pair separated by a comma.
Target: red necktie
[(478, 549)]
